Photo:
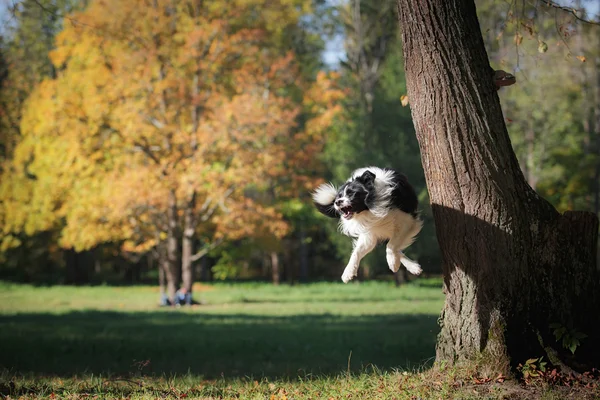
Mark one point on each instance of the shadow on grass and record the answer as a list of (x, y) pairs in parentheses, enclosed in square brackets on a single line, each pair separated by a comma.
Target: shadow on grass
[(232, 345)]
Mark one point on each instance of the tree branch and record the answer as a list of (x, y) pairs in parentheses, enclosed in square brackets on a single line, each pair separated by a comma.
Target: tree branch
[(154, 122), (147, 150), (570, 10), (206, 250)]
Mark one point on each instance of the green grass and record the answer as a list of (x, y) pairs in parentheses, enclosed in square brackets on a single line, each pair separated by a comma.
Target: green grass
[(321, 340), (240, 330)]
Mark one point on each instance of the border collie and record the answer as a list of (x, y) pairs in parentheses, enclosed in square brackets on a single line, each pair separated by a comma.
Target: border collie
[(374, 205)]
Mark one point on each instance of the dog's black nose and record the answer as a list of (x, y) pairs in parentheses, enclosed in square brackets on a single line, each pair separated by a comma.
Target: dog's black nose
[(338, 202)]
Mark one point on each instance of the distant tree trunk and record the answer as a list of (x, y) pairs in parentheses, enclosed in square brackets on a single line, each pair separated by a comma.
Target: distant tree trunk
[(512, 264), (303, 250), (290, 262), (401, 277), (171, 269), (163, 266), (205, 270), (78, 266), (530, 169), (596, 184), (187, 249), (275, 273)]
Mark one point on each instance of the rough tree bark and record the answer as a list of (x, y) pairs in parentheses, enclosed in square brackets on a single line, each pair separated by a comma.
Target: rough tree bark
[(512, 264)]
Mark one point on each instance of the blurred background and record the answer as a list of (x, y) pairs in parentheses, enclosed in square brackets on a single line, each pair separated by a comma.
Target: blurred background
[(170, 142)]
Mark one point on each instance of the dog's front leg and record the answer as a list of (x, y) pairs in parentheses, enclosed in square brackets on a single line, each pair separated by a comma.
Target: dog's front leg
[(362, 246)]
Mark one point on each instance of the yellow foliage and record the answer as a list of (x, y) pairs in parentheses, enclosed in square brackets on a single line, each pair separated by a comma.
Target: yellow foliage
[(153, 100)]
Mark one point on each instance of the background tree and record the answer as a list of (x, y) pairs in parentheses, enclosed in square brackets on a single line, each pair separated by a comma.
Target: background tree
[(513, 265), (164, 133), (28, 37), (553, 137), (555, 140)]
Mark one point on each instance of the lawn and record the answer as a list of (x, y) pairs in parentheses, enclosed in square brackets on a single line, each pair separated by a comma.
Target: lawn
[(320, 340)]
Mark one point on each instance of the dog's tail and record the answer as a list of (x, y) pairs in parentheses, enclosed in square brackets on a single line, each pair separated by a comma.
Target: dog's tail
[(323, 197)]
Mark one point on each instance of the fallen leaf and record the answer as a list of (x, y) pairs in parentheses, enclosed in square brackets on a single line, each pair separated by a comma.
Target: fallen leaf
[(581, 58)]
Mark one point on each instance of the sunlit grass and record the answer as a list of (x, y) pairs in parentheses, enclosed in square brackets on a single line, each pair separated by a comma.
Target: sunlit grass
[(352, 299)]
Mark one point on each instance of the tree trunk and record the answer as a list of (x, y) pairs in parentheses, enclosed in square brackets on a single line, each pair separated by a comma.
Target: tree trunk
[(275, 273), (512, 264), (596, 181), (401, 277), (187, 250), (530, 167), (303, 255), (171, 269), (163, 266), (78, 267)]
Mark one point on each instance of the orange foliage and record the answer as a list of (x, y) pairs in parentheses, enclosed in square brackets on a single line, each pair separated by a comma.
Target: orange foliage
[(159, 98)]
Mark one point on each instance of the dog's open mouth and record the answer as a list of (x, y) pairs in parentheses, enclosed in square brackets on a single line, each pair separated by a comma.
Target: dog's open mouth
[(347, 212)]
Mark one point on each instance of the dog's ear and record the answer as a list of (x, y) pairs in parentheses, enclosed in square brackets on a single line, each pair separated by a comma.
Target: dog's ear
[(367, 178)]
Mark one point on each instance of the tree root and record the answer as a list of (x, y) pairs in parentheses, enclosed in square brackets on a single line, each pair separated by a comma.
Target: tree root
[(556, 360)]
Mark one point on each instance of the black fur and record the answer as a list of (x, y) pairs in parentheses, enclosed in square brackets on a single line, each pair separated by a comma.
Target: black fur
[(327, 210), (403, 195)]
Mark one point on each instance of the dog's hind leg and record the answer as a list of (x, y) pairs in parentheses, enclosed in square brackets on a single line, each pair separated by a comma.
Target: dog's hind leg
[(392, 255), (362, 246), (395, 256), (412, 266)]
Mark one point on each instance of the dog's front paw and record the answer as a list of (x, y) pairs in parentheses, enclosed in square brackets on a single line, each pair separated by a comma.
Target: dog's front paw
[(348, 275)]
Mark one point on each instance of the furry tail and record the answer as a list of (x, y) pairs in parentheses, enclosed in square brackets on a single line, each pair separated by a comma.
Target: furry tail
[(323, 198)]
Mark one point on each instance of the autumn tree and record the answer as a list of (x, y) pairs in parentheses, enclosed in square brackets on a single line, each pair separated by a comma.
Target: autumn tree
[(515, 269), (27, 40), (163, 128)]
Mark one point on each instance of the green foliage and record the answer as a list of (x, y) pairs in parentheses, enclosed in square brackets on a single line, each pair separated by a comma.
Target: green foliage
[(568, 336), (532, 367), (549, 112), (228, 265), (24, 51)]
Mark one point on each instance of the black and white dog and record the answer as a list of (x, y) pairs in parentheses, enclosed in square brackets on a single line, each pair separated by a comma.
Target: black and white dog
[(374, 205)]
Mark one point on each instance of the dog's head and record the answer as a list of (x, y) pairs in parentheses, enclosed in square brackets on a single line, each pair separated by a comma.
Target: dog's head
[(354, 196)]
